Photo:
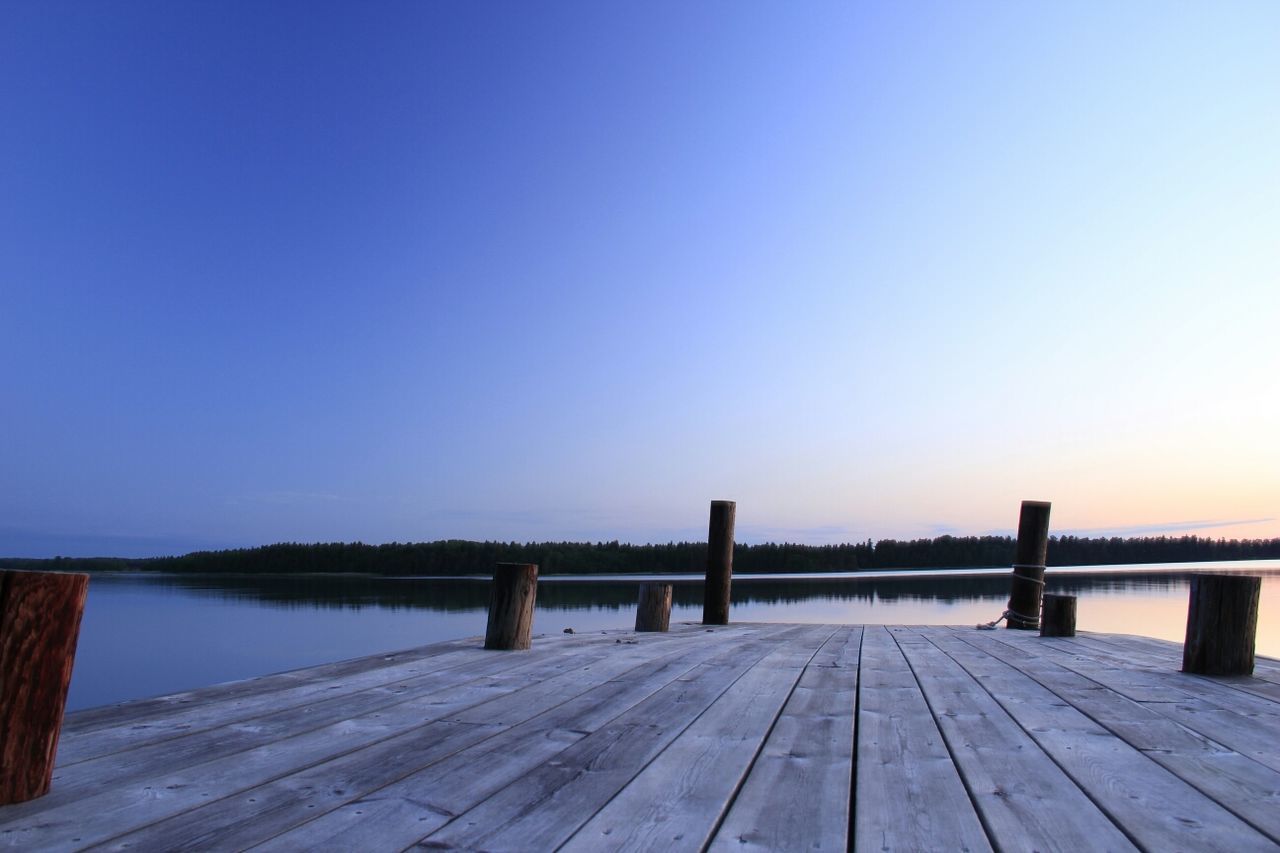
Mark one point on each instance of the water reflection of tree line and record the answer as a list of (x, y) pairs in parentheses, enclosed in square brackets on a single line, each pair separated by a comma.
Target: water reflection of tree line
[(469, 595)]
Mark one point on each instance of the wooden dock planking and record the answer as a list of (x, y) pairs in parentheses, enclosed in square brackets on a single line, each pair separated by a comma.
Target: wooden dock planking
[(745, 736), (183, 789), (806, 764), (550, 714), (164, 707), (1165, 657), (1157, 810), (543, 809), (1238, 720), (425, 800), (342, 710), (1241, 785), (680, 796), (238, 733), (1024, 798), (909, 793)]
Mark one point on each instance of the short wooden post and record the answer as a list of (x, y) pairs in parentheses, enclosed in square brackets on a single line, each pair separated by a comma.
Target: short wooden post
[(511, 600), (39, 626), (1058, 616), (1222, 624), (715, 595), (1028, 566), (654, 610)]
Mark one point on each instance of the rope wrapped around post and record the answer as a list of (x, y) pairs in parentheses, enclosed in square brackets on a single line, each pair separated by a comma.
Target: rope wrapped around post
[(1028, 574), (1023, 610), (1029, 622)]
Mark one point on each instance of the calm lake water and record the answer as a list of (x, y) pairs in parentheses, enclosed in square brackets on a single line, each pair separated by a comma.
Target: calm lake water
[(146, 634)]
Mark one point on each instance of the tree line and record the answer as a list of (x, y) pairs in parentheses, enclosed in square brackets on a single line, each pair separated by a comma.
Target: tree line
[(463, 557)]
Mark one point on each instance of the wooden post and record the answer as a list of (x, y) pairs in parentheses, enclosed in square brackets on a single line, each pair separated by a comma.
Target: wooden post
[(1222, 624), (39, 625), (1058, 616), (1028, 566), (715, 593), (511, 599), (654, 610)]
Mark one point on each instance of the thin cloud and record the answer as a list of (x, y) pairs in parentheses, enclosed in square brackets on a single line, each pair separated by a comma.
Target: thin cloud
[(1159, 527), (284, 498)]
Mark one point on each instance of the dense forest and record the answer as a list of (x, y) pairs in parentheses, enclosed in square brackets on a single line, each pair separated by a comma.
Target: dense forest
[(459, 557)]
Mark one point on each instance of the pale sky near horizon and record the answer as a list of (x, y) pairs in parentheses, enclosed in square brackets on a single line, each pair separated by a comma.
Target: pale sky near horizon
[(545, 271)]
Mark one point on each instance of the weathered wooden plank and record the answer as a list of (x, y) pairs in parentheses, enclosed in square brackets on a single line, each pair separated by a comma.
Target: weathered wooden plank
[(261, 812), (908, 793), (134, 711), (201, 746), (1244, 787), (1025, 799), (1267, 668), (609, 731), (545, 807), (122, 808), (198, 716), (1157, 810), (797, 794), (1131, 643), (1162, 683), (426, 799), (1150, 657), (1234, 719), (400, 813), (162, 707), (678, 799), (195, 715), (1157, 682)]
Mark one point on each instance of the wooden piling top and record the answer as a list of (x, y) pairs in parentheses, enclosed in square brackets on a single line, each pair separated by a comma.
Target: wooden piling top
[(748, 736)]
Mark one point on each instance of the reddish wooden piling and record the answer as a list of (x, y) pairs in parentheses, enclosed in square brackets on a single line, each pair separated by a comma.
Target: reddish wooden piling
[(1028, 566), (1222, 624), (715, 596), (511, 601), (654, 610), (39, 626)]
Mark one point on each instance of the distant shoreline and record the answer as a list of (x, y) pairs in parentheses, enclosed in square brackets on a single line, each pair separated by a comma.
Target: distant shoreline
[(461, 558)]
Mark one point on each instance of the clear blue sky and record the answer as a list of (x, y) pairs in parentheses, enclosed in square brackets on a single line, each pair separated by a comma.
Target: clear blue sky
[(407, 271)]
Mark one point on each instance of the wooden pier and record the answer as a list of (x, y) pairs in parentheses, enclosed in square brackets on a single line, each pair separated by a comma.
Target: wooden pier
[(741, 737)]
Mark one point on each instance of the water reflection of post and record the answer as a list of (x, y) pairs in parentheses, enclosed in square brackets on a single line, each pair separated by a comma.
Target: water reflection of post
[(715, 594), (1028, 566)]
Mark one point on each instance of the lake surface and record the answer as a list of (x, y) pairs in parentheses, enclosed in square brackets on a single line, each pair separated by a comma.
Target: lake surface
[(148, 634)]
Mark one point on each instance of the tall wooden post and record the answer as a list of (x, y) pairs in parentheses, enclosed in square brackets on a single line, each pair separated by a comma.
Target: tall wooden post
[(654, 610), (1222, 624), (715, 595), (39, 626), (511, 600), (1028, 566)]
